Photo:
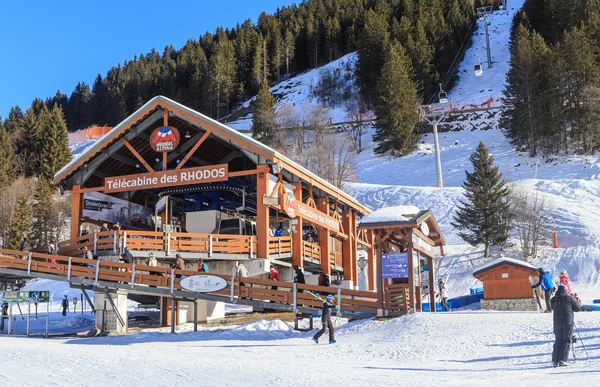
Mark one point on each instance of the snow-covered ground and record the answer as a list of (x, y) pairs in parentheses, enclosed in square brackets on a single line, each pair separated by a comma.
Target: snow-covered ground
[(450, 349), (462, 348)]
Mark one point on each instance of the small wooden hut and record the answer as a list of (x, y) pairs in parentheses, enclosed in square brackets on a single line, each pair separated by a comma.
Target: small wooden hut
[(506, 284)]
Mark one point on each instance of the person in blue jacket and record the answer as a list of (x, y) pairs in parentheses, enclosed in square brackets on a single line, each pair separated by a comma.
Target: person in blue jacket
[(547, 284)]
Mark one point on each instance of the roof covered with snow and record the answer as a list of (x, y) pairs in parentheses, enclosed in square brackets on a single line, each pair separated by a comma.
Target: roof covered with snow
[(501, 261), (391, 215)]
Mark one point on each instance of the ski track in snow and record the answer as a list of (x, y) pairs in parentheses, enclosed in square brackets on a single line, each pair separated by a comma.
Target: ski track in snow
[(453, 349)]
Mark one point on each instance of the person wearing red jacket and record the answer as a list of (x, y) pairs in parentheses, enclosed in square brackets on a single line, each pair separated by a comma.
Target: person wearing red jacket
[(274, 276), (563, 277)]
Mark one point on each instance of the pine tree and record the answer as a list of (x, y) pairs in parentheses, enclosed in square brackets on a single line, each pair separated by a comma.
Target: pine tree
[(43, 210), (373, 44), (482, 216), (7, 162), (395, 110), (263, 119), (53, 148), (20, 227), (25, 143)]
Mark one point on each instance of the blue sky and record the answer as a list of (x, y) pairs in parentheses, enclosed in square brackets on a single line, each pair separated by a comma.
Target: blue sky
[(46, 47)]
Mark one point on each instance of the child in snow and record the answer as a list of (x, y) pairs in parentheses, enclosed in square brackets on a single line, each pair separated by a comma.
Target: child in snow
[(326, 319), (443, 294), (564, 279)]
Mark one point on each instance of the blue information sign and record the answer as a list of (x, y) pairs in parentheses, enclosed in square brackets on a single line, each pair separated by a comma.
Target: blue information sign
[(394, 265)]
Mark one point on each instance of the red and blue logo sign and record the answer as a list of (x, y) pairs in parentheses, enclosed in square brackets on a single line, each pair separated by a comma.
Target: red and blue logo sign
[(164, 139)]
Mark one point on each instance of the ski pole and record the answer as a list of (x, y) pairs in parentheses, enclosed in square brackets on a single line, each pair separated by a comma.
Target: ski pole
[(581, 340)]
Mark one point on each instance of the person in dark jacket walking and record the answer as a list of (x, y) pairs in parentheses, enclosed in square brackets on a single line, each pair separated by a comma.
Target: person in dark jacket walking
[(326, 319), (547, 283), (563, 306), (65, 305), (299, 278), (323, 280)]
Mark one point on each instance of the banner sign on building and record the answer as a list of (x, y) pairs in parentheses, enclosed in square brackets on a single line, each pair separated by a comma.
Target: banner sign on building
[(394, 265), (24, 296), (317, 217), (164, 139), (186, 176), (109, 209)]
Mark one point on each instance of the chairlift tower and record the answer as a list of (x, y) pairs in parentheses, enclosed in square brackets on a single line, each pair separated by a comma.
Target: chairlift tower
[(483, 12), (434, 114)]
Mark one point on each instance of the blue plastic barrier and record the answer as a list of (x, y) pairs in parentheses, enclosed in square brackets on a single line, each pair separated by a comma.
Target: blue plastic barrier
[(476, 290), (596, 301), (595, 308)]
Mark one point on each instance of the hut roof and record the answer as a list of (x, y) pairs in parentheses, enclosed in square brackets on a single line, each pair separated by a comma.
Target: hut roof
[(500, 261)]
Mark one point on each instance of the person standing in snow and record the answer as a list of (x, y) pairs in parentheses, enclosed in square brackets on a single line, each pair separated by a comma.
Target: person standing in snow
[(547, 284), (443, 294), (299, 277), (563, 278), (65, 305), (326, 320), (563, 306)]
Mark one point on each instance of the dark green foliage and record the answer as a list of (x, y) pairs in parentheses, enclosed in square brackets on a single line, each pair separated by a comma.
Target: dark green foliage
[(217, 70), (43, 214), (482, 217), (554, 72), (52, 143), (395, 111), (263, 120), (20, 227), (7, 162)]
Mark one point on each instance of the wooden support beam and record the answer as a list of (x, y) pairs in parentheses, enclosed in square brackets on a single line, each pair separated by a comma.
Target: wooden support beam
[(431, 284), (136, 154), (348, 247), (193, 150), (243, 173), (387, 235), (378, 253), (76, 204), (297, 241), (324, 236), (262, 212), (371, 265), (411, 277)]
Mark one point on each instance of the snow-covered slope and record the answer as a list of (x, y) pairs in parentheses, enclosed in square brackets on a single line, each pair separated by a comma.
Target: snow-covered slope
[(571, 184), (296, 91)]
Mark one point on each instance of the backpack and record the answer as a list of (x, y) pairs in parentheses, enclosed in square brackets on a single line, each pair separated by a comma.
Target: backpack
[(326, 280)]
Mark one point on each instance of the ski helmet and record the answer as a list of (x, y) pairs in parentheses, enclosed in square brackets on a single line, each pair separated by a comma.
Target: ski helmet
[(563, 273), (329, 298)]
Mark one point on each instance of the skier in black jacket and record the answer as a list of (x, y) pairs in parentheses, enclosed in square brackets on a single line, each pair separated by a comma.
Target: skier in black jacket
[(326, 320), (563, 306)]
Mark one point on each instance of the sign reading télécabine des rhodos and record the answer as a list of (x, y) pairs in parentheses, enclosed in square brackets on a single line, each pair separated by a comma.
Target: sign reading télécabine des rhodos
[(203, 283), (164, 139), (186, 176)]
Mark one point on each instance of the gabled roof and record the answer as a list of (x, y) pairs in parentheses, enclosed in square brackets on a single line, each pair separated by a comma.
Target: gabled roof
[(393, 218), (494, 263), (228, 134)]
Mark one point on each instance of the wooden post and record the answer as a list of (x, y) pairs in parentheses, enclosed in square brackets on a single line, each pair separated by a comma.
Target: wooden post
[(411, 273), (418, 288), (262, 212), (348, 246), (76, 202), (377, 247), (372, 267), (431, 284), (323, 206), (297, 241)]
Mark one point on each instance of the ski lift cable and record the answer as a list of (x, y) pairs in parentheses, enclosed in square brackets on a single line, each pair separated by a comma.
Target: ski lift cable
[(455, 62)]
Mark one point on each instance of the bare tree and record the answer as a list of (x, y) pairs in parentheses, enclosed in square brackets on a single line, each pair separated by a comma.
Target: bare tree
[(532, 218), (590, 131)]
